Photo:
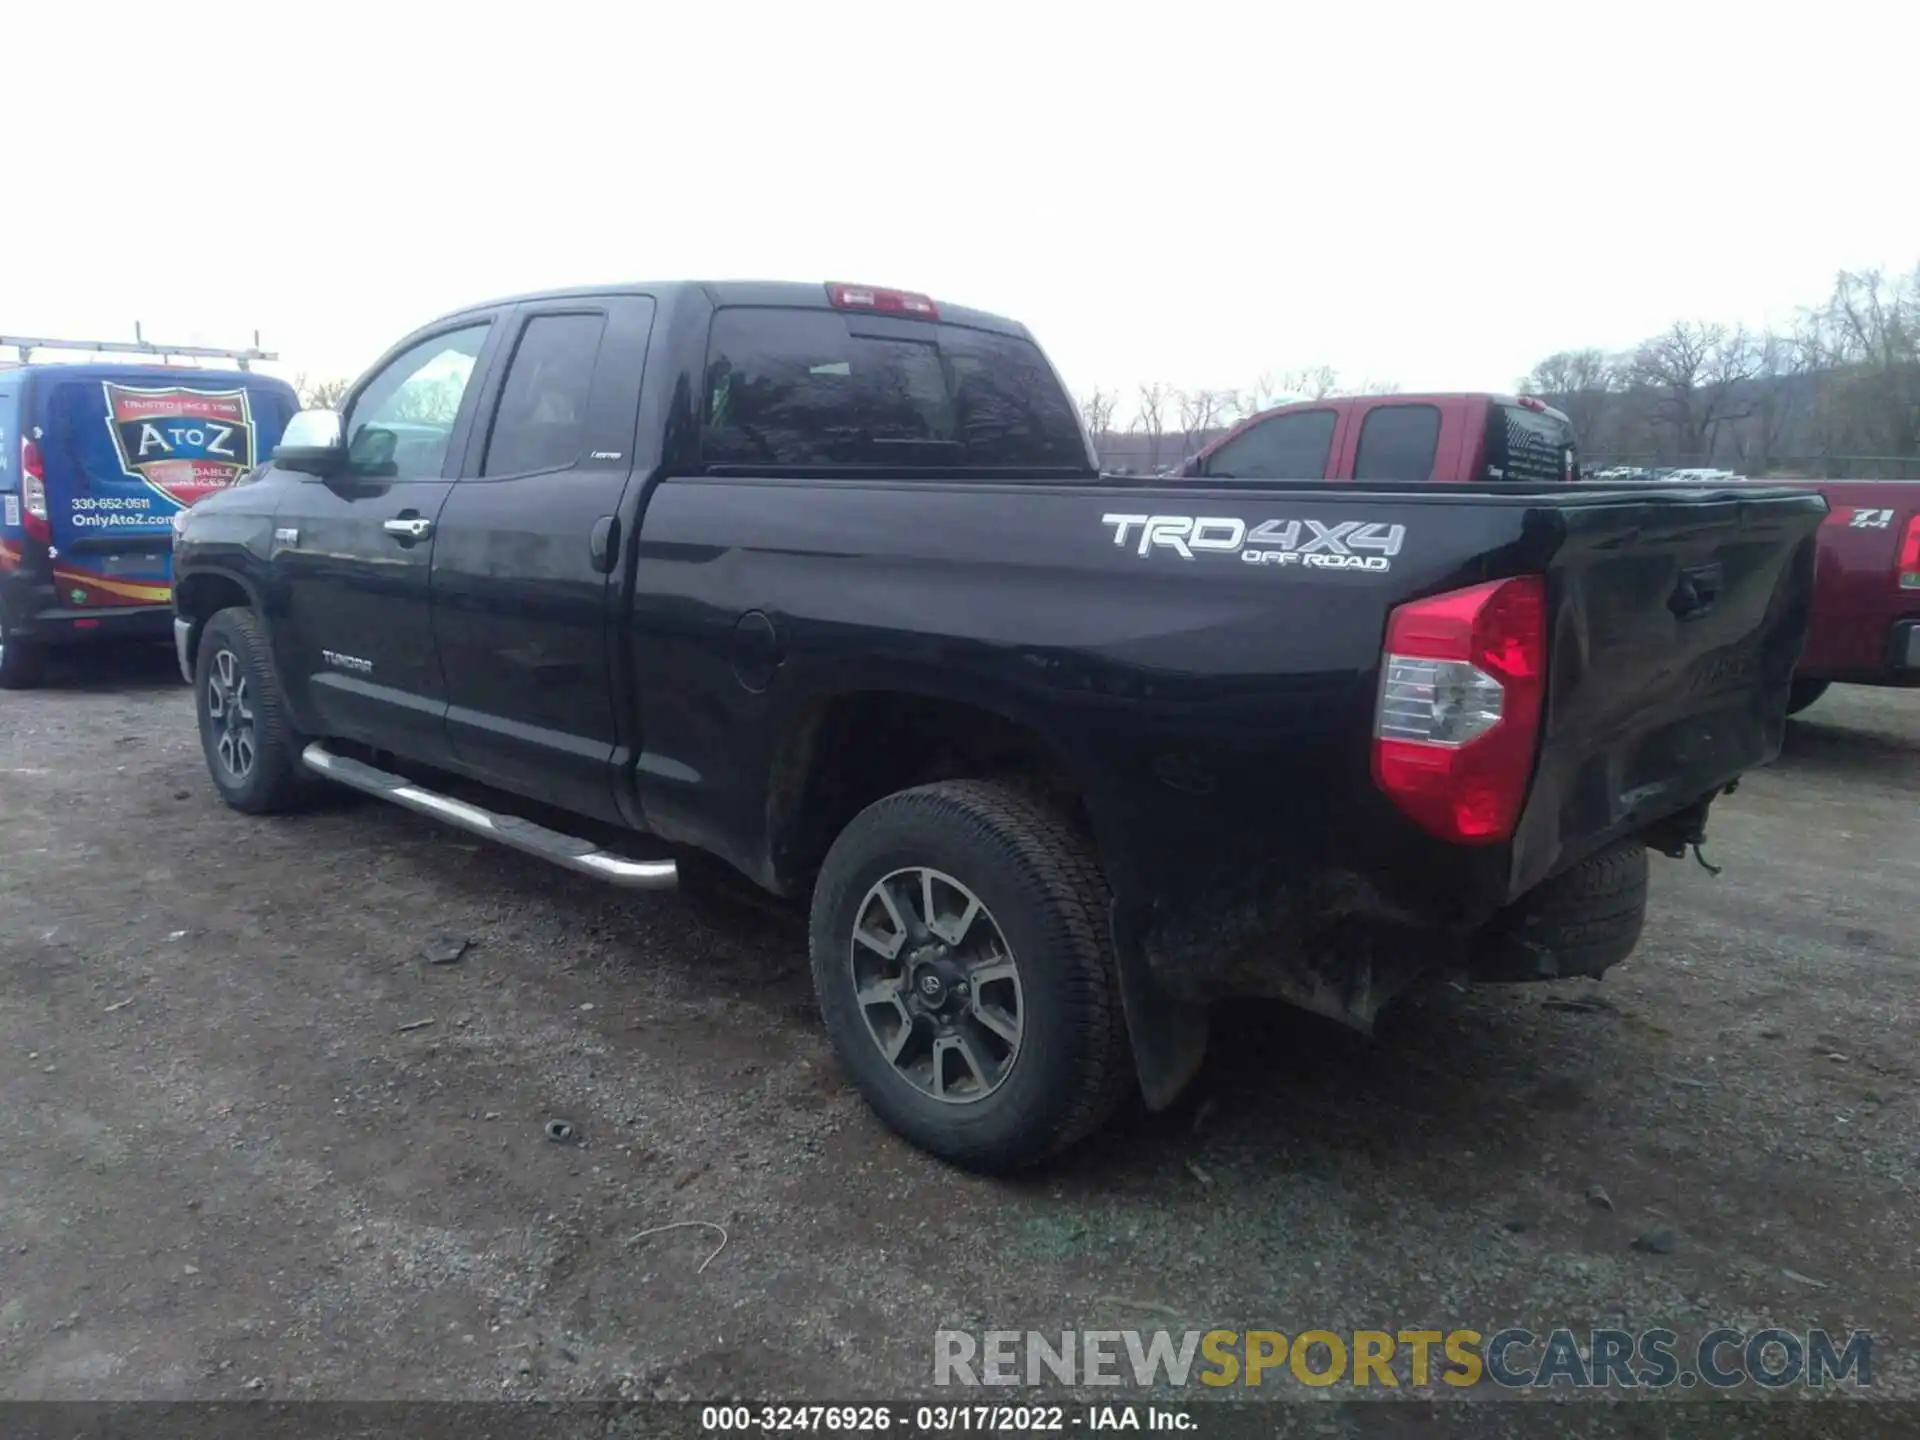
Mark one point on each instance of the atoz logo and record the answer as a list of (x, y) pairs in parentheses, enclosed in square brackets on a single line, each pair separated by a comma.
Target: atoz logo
[(1308, 544), (183, 443)]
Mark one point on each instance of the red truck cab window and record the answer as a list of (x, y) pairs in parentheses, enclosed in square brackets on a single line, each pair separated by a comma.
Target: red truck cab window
[(1291, 446), (1398, 442)]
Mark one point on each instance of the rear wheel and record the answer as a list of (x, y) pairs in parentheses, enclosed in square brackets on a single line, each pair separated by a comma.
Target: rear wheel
[(252, 750), (964, 967), (21, 664), (1805, 693)]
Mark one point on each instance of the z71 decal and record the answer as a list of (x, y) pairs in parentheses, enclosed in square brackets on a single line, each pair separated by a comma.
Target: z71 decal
[(1307, 544), (1872, 519)]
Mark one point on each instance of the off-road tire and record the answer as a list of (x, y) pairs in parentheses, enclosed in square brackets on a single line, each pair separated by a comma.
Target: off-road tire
[(1805, 693), (21, 664), (1586, 920), (277, 781), (1036, 872)]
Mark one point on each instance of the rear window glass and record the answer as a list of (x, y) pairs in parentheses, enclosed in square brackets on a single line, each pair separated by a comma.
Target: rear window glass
[(1527, 445), (1287, 447), (1397, 442), (805, 388)]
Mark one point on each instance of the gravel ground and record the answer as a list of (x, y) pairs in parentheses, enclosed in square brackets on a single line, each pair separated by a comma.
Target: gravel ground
[(254, 1144)]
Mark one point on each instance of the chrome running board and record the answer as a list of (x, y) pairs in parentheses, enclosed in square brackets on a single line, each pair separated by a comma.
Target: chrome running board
[(567, 850)]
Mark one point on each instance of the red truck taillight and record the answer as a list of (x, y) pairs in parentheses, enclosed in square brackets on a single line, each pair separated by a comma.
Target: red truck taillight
[(1458, 721), (1910, 554), (33, 494)]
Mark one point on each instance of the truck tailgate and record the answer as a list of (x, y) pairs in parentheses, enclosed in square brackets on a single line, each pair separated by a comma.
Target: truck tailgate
[(1677, 623)]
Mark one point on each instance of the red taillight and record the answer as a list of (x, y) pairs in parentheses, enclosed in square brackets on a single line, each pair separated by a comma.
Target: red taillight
[(33, 494), (1910, 554), (1458, 720), (887, 302)]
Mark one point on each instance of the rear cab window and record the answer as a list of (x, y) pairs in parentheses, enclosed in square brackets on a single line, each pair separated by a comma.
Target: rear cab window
[(813, 389), (1534, 446), (1290, 446)]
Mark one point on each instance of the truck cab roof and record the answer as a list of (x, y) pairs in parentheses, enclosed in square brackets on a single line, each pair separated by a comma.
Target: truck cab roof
[(719, 294)]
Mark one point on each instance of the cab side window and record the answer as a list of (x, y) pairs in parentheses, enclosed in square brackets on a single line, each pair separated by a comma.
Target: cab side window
[(1293, 446), (541, 418), (399, 425), (1398, 442)]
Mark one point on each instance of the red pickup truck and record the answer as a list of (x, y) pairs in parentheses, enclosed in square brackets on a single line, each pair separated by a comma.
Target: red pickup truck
[(1866, 605), (1866, 591)]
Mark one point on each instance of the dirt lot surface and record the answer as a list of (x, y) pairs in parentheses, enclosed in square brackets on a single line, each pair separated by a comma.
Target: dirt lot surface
[(254, 1143)]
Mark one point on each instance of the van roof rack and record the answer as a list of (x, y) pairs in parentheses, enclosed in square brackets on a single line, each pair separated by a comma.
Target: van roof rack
[(25, 345)]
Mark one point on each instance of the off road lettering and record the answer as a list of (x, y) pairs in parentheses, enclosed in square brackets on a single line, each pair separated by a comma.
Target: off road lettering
[(1312, 544)]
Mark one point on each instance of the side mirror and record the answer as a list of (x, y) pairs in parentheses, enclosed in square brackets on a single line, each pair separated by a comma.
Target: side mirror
[(314, 444)]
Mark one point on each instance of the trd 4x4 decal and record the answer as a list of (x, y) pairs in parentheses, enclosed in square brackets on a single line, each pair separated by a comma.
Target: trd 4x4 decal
[(1309, 544)]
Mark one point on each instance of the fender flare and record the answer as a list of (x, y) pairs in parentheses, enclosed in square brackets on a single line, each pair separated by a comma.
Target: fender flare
[(295, 701), (198, 623), (1167, 1035)]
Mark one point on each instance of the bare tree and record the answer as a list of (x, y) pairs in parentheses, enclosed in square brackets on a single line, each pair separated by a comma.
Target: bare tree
[(1694, 374), (1315, 384), (1783, 364), (1201, 412), (421, 401), (1264, 393), (320, 394), (1580, 383), (1097, 410), (1150, 418), (1870, 328)]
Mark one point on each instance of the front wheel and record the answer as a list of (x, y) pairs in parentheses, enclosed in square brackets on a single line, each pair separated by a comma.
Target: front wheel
[(964, 967), (252, 750)]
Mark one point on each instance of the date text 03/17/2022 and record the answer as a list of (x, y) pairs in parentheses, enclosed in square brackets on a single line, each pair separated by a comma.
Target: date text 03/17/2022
[(942, 1419)]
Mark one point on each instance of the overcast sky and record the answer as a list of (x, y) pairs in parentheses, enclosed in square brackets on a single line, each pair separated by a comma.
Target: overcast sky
[(1181, 192)]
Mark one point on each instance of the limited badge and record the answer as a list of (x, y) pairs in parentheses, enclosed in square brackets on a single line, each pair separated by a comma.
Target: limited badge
[(183, 443)]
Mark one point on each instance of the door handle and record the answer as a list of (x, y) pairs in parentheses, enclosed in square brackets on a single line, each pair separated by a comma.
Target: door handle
[(409, 527), (603, 546)]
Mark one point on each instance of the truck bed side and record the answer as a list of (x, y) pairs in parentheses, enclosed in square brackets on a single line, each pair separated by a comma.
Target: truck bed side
[(1215, 714), (1859, 599)]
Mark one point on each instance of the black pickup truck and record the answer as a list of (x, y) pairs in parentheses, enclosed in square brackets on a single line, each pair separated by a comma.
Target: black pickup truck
[(822, 584)]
